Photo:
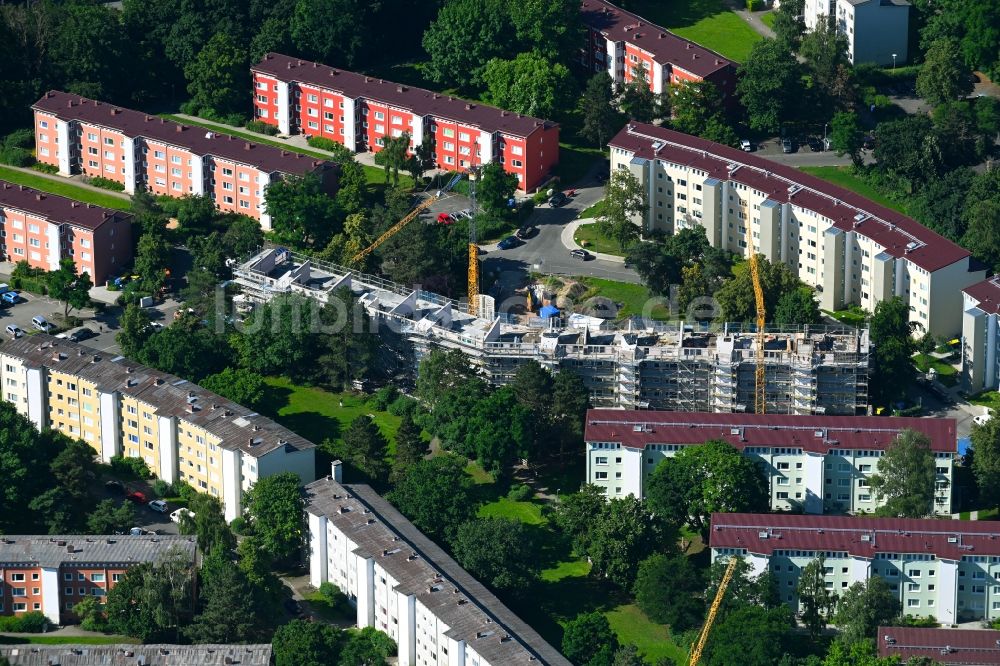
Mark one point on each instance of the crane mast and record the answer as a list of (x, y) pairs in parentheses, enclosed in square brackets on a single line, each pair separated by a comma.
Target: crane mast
[(712, 612), (760, 376)]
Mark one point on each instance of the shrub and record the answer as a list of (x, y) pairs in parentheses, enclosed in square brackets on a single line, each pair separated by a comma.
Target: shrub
[(14, 156), (928, 622), (33, 622), (239, 526), (190, 108), (322, 143), (131, 467), (520, 493), (105, 183), (383, 397), (540, 197), (22, 138), (403, 405), (332, 595), (45, 168), (161, 488), (261, 127)]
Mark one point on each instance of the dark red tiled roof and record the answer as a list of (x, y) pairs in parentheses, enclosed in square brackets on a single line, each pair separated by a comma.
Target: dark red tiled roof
[(196, 139), (961, 647), (56, 209), (987, 293), (763, 533), (640, 428), (893, 231), (619, 25), (418, 100)]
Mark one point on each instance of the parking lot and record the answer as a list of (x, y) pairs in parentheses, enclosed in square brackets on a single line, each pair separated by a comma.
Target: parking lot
[(145, 518)]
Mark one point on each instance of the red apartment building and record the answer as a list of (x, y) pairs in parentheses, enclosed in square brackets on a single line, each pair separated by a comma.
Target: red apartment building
[(43, 228), (80, 135), (947, 647), (50, 574), (619, 41), (359, 111)]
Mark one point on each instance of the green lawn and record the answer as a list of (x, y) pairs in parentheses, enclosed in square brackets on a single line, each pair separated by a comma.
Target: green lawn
[(588, 236), (633, 297), (594, 211), (479, 475), (844, 176), (64, 189), (852, 317), (946, 373), (767, 18), (323, 608), (317, 415), (653, 640), (375, 175), (989, 399), (529, 513), (706, 22), (43, 639)]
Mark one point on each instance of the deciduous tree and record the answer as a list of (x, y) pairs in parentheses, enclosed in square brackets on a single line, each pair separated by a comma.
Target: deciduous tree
[(242, 386), (436, 494), (889, 328), (529, 84), (797, 307), (465, 36), (624, 534), (986, 461), (863, 608), (943, 77), (599, 117), (769, 85), (815, 600), (303, 643), (301, 211), (905, 481), (274, 507), (495, 187), (668, 590), (368, 448), (624, 200), (497, 551), (586, 636), (750, 636), (575, 514), (847, 137), (64, 285), (736, 296), (219, 76), (328, 30), (393, 156), (229, 611), (638, 101), (410, 447), (109, 517)]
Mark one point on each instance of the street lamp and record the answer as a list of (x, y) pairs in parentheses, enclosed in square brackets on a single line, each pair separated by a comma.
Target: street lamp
[(825, 125), (894, 62)]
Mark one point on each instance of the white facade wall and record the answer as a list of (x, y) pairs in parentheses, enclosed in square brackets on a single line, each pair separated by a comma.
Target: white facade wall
[(951, 591), (797, 479), (843, 274), (874, 31)]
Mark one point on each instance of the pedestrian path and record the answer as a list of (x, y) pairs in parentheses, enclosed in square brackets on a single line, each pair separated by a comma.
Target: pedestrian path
[(74, 180)]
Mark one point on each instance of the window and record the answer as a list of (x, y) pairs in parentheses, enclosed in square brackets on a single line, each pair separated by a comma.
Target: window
[(17, 578), (463, 136), (448, 132), (600, 475), (108, 141), (601, 460)]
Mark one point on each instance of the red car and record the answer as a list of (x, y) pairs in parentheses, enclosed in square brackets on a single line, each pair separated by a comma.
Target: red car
[(445, 218), (136, 496)]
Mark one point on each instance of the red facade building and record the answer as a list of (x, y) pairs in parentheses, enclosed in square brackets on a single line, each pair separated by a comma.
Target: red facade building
[(619, 42), (51, 574), (358, 111), (43, 228), (80, 135)]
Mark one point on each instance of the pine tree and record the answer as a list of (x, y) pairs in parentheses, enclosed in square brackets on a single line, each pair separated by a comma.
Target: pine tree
[(229, 612), (410, 447), (367, 447)]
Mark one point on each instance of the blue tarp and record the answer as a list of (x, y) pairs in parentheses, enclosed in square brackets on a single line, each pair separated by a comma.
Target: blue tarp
[(963, 445), (548, 311)]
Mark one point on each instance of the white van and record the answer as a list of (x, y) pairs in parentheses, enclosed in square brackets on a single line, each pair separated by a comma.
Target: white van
[(178, 513), (41, 323)]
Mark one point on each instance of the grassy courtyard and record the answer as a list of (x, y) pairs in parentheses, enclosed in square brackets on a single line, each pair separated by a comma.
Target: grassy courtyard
[(633, 298), (706, 22), (64, 189), (844, 177), (946, 373), (989, 399), (319, 415), (590, 237)]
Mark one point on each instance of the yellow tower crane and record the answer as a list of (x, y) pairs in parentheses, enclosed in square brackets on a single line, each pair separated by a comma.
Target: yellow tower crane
[(712, 612), (760, 376), (412, 215)]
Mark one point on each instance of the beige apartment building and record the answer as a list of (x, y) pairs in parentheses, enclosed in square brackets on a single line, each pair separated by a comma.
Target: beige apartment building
[(850, 249), (119, 407)]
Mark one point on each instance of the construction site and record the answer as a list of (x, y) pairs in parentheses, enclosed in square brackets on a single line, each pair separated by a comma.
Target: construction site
[(631, 363)]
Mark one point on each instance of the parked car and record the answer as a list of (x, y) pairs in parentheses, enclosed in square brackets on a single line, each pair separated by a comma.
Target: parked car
[(815, 145), (136, 531), (116, 487), (4, 288), (81, 334), (581, 254), (746, 146), (158, 506), (558, 199), (507, 243), (136, 496), (526, 232), (177, 514), (787, 145), (41, 323), (445, 218), (14, 331), (11, 297)]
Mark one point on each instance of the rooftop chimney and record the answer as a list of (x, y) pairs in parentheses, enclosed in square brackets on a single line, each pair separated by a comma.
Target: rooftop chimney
[(246, 145), (468, 107), (337, 471)]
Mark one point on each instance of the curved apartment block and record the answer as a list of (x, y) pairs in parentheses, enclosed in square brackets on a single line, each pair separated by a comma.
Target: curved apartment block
[(852, 250)]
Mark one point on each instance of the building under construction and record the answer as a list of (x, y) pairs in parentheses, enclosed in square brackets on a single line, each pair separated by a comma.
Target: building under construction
[(631, 364)]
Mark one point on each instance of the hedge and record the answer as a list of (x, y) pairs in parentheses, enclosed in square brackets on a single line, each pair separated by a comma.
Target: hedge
[(261, 127), (105, 183), (322, 143), (32, 622)]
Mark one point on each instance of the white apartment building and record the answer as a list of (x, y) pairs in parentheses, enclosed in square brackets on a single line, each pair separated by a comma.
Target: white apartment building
[(814, 464), (180, 430), (876, 30), (981, 336), (156, 654), (852, 250), (405, 585), (948, 569)]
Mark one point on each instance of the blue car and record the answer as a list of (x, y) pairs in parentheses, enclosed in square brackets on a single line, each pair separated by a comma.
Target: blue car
[(10, 297), (507, 243)]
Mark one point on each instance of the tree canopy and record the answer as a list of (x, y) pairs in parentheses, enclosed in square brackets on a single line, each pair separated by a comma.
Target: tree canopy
[(986, 461), (498, 552), (274, 507), (892, 372), (436, 494), (864, 607), (625, 201), (529, 84), (906, 477)]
